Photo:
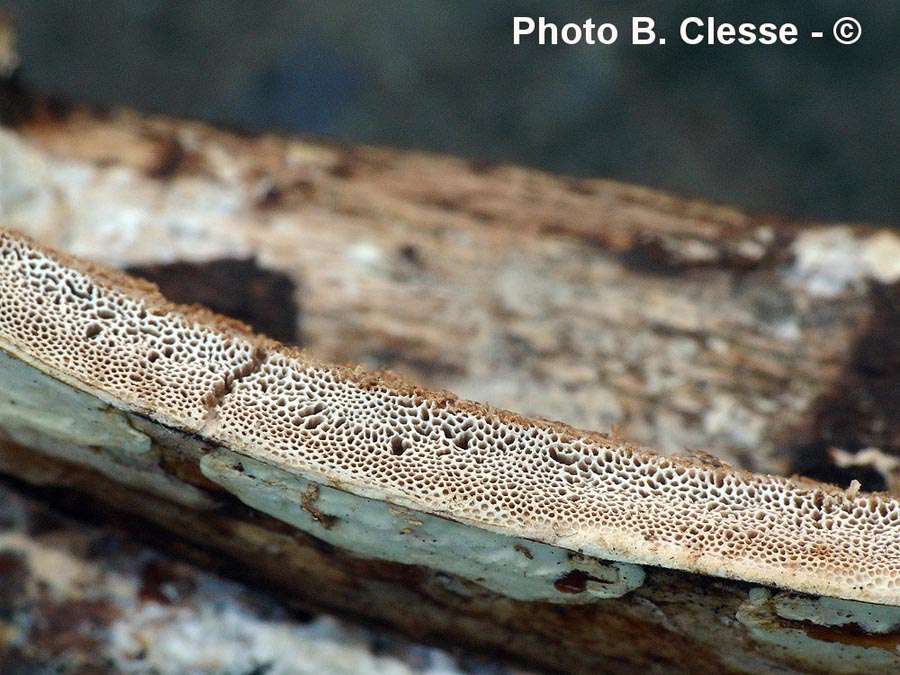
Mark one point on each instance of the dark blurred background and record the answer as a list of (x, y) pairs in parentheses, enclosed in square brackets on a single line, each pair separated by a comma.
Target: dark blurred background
[(810, 131)]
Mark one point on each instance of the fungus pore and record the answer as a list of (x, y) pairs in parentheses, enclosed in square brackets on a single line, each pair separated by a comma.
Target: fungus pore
[(376, 436)]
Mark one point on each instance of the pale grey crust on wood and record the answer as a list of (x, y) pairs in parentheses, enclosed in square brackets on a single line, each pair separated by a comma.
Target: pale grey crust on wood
[(377, 436)]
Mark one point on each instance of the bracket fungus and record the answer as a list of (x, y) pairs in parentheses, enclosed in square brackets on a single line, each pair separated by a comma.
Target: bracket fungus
[(100, 370)]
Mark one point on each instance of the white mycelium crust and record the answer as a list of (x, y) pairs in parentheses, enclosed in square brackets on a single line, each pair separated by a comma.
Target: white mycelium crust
[(379, 437)]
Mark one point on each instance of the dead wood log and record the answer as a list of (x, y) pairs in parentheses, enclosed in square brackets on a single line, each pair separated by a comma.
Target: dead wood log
[(686, 325)]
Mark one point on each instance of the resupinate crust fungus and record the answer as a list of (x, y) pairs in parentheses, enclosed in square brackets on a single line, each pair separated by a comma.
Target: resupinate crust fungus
[(375, 451)]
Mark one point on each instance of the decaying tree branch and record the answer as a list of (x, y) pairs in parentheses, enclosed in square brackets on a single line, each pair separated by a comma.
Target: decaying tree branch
[(686, 325)]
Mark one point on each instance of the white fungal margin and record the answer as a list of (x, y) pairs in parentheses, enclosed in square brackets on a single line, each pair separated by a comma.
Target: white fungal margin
[(515, 567), (825, 634), (40, 412), (30, 399)]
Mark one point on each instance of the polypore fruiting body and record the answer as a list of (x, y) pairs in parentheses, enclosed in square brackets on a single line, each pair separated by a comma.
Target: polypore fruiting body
[(380, 438), (117, 336), (547, 482)]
